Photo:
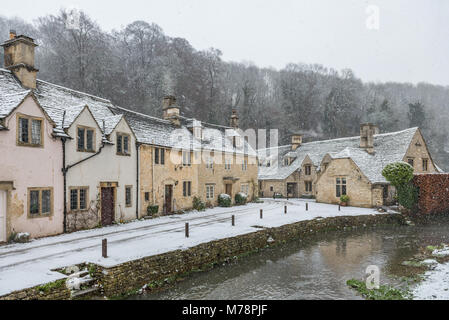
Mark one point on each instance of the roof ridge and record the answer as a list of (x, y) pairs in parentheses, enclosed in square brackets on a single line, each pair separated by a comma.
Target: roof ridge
[(74, 91), (142, 114), (358, 137)]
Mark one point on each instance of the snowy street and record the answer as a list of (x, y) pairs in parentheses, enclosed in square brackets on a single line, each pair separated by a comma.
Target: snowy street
[(27, 265)]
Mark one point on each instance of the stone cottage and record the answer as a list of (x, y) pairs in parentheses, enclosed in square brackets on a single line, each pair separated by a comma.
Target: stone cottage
[(353, 166), (181, 158)]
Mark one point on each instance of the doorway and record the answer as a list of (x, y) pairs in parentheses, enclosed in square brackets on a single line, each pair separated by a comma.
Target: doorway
[(168, 198), (107, 206), (3, 200), (228, 188)]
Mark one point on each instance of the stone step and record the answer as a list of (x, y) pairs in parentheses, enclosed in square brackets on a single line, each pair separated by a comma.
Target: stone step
[(85, 292)]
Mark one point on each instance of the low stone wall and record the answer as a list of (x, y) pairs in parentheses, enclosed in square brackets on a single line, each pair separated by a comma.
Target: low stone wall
[(433, 193), (128, 277), (51, 291)]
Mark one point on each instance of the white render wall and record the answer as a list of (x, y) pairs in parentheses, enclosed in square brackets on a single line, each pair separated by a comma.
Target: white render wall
[(104, 167)]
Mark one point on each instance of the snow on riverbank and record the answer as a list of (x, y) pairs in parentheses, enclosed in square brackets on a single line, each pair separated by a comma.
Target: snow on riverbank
[(27, 265), (435, 285)]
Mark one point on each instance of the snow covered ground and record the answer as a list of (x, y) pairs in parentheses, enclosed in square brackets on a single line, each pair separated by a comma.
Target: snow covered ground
[(30, 264), (435, 285)]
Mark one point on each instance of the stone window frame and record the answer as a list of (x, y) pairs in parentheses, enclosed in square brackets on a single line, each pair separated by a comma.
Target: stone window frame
[(146, 196), (187, 188), (159, 156), (210, 191), (40, 214), (30, 134), (210, 163), (228, 164), (308, 170), (78, 207), (186, 160), (245, 165), (425, 164), (94, 135), (129, 201), (308, 185), (412, 160), (271, 188), (121, 136), (341, 187)]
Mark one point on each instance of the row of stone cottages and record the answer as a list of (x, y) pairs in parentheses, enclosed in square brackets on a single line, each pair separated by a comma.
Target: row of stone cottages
[(352, 166), (71, 161)]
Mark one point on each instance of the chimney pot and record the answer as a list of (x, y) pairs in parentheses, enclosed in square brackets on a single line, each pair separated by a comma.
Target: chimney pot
[(296, 141), (171, 110), (234, 119), (367, 132), (19, 58)]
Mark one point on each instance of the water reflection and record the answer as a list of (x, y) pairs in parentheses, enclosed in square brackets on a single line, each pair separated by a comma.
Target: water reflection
[(314, 269)]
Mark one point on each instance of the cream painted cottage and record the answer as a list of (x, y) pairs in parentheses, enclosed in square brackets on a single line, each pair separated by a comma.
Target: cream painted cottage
[(68, 161)]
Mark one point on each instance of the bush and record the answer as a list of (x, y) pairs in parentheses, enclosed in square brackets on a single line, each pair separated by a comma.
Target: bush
[(198, 204), (344, 198), (152, 210), (398, 173), (241, 198), (408, 196), (224, 200)]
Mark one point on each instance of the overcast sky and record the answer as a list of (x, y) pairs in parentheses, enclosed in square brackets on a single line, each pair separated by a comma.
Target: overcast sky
[(410, 45)]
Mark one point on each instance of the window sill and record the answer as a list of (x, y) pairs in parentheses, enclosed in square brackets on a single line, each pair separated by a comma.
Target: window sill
[(124, 154), (37, 216), (20, 144)]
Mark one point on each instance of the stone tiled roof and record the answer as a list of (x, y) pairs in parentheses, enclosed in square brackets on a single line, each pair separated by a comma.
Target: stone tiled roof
[(160, 132), (389, 147)]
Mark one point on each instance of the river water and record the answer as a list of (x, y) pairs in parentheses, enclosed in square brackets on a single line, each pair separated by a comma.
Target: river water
[(317, 268)]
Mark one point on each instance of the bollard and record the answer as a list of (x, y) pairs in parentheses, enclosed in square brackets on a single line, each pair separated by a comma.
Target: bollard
[(261, 213), (233, 221), (104, 248), (187, 230), (307, 206), (285, 210), (339, 207)]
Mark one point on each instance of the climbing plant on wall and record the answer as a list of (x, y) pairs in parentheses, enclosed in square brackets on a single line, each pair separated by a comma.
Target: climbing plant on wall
[(400, 175)]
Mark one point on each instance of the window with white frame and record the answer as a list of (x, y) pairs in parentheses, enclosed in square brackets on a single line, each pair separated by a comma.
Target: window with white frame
[(341, 187), (228, 163), (245, 165), (186, 159), (245, 188), (210, 191), (209, 163)]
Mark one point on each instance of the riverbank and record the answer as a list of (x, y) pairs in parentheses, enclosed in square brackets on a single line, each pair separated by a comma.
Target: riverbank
[(157, 270)]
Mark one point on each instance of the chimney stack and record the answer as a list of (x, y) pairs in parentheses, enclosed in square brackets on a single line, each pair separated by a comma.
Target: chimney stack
[(234, 119), (171, 110), (367, 132), (19, 58), (296, 141)]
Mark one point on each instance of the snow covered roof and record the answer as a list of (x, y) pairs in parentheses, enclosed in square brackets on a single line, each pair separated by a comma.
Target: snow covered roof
[(160, 132), (389, 147)]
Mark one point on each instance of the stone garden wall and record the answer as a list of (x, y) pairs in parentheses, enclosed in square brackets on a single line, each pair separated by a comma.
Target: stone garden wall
[(433, 193), (129, 277)]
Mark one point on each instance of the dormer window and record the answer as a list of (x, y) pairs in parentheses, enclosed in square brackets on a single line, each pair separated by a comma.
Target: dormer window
[(29, 131), (308, 170), (85, 139), (123, 148)]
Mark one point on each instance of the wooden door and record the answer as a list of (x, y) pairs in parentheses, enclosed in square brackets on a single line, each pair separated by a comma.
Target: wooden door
[(229, 189), (3, 216), (107, 206), (168, 198)]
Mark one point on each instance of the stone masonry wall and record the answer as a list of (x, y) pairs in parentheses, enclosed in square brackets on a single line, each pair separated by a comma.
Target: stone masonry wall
[(133, 275)]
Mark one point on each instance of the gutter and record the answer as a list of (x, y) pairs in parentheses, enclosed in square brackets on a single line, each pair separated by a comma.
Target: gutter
[(137, 179)]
